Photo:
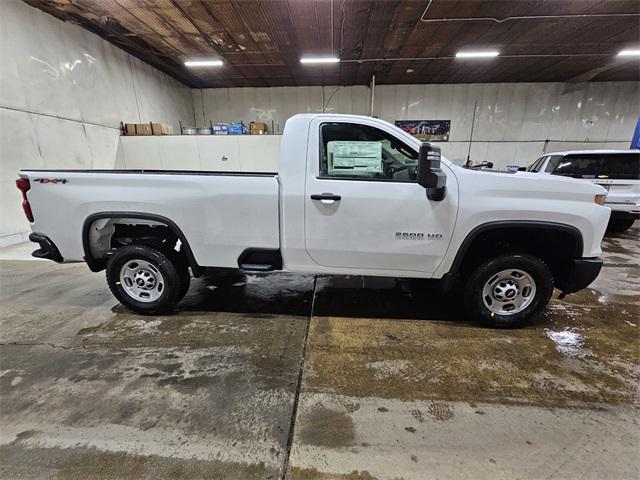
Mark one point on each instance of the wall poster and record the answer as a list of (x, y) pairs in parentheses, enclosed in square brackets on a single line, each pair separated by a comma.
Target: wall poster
[(427, 130)]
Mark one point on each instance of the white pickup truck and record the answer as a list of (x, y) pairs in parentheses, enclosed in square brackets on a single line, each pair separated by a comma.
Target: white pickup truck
[(354, 195)]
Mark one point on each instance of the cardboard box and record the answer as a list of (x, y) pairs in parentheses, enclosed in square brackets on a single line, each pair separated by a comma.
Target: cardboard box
[(143, 129), (147, 129), (161, 129), (258, 128)]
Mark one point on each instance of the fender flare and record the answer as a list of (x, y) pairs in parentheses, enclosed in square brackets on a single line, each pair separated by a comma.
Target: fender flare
[(97, 264), (449, 278)]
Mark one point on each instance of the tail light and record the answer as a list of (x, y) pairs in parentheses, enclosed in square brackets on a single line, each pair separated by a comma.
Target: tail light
[(24, 186)]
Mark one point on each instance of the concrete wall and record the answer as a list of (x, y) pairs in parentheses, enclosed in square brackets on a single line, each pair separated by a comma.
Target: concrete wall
[(63, 93), (513, 121), (245, 153)]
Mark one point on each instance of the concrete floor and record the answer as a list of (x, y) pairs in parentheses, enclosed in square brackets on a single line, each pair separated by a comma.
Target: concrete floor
[(298, 377)]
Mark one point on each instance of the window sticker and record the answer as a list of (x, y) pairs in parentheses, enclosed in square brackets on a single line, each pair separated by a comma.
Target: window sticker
[(354, 157)]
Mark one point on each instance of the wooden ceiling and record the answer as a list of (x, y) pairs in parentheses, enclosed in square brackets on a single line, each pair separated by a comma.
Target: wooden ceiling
[(261, 41)]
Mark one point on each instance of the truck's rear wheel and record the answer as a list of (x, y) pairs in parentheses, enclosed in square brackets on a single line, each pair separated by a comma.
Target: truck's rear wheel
[(177, 259), (507, 290), (146, 280)]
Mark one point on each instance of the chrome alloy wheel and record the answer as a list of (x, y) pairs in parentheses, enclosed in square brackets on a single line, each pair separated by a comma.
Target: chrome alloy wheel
[(509, 292), (141, 280)]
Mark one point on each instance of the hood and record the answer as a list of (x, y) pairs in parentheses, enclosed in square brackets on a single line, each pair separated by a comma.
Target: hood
[(527, 184), (560, 181)]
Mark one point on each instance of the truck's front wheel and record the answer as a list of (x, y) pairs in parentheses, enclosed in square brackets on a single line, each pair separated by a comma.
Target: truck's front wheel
[(145, 280), (507, 290)]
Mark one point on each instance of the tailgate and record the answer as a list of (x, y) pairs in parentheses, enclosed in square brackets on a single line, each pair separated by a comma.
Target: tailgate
[(621, 193)]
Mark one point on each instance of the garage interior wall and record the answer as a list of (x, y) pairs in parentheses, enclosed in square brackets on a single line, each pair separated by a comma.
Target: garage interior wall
[(63, 93), (515, 122)]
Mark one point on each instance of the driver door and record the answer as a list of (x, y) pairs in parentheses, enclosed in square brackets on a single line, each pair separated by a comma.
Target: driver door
[(363, 207)]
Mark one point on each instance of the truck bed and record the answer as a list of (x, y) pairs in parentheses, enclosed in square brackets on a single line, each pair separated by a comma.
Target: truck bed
[(221, 213)]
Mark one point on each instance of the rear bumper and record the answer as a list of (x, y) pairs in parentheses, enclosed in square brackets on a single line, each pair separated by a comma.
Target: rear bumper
[(47, 250), (630, 213), (579, 274)]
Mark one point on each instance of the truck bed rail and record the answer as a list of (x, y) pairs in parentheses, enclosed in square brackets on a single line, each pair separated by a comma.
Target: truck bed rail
[(157, 172)]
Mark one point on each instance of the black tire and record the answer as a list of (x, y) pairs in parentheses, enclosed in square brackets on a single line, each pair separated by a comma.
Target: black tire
[(620, 224), (178, 260), (173, 275), (473, 294), (183, 270)]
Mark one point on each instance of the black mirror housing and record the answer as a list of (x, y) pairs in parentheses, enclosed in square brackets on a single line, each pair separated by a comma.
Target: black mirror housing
[(430, 176)]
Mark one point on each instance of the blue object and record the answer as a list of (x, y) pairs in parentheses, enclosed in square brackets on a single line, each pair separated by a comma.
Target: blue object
[(237, 129), (635, 141), (220, 129)]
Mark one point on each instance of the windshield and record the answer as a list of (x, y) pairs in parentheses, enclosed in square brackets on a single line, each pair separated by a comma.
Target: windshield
[(535, 166), (553, 162), (601, 165)]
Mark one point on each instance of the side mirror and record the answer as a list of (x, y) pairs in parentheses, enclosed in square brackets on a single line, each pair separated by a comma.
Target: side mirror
[(430, 176)]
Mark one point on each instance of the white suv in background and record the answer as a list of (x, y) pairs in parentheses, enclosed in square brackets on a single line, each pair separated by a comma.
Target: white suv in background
[(618, 171)]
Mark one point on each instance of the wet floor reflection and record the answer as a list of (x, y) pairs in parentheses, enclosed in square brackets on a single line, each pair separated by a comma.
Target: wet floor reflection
[(381, 297), (568, 342), (345, 296), (222, 290)]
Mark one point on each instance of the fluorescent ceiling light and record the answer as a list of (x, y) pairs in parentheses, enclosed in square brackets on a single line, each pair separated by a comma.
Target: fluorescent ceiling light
[(319, 60), (630, 53), (203, 63), (484, 54)]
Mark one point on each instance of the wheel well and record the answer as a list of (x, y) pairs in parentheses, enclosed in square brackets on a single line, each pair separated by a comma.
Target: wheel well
[(555, 245), (104, 233)]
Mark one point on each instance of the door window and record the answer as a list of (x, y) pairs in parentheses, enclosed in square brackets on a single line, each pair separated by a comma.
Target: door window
[(351, 151)]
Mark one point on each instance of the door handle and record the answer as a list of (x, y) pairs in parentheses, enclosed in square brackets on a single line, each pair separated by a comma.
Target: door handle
[(326, 196)]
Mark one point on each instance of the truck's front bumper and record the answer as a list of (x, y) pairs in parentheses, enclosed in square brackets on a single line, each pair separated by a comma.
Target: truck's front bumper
[(47, 250), (579, 274)]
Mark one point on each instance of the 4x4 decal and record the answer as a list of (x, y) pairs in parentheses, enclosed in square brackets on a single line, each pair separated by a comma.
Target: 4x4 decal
[(51, 180)]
